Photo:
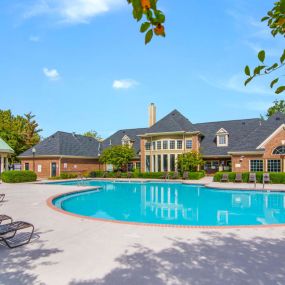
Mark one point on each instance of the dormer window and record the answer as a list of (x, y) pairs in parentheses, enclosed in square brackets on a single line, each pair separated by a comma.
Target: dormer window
[(126, 140), (222, 137)]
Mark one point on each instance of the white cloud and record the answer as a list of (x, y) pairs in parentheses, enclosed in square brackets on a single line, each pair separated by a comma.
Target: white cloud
[(72, 11), (235, 83), (34, 39), (270, 51), (124, 83), (52, 74)]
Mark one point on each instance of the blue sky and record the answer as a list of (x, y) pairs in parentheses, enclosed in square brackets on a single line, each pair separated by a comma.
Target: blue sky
[(82, 64)]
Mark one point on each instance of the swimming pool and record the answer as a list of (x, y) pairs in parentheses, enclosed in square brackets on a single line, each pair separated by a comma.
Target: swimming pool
[(173, 204)]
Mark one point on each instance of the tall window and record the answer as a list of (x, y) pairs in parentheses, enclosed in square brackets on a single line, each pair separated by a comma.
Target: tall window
[(179, 144), (274, 165), (153, 145), (256, 165), (147, 163), (172, 144), (138, 165), (165, 144), (158, 144), (154, 163), (159, 163), (172, 162), (189, 144), (279, 150), (27, 166), (147, 145), (165, 162)]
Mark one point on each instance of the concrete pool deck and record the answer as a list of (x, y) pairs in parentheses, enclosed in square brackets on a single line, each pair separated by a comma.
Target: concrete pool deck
[(74, 251)]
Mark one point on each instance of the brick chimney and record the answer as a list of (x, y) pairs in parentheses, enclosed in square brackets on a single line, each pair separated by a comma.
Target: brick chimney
[(152, 114)]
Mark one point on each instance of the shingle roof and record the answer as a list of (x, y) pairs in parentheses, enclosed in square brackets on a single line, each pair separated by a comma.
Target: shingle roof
[(4, 147), (237, 130), (116, 138), (173, 122), (66, 144), (261, 133)]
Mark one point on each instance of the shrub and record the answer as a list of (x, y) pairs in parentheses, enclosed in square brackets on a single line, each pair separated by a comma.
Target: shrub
[(196, 175), (15, 176), (68, 175), (64, 176), (145, 175)]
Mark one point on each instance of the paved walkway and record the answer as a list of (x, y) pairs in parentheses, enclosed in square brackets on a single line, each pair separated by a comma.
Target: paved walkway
[(75, 251)]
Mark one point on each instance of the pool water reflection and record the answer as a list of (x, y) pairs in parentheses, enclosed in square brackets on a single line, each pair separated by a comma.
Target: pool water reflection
[(175, 204)]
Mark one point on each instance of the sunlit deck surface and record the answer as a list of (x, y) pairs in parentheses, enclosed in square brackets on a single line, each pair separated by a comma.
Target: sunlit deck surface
[(76, 251)]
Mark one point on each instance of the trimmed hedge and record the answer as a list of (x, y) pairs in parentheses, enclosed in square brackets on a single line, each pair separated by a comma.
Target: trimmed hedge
[(15, 176), (275, 177), (146, 175), (196, 175), (64, 176)]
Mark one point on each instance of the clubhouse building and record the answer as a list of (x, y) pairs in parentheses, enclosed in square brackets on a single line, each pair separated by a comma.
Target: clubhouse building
[(237, 145)]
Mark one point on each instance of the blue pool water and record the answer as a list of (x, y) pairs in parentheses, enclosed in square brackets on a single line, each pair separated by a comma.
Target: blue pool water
[(174, 204)]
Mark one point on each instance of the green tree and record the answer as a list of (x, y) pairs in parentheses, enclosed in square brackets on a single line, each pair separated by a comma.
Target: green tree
[(279, 106), (20, 132), (189, 161), (151, 17), (276, 22), (93, 134), (119, 156)]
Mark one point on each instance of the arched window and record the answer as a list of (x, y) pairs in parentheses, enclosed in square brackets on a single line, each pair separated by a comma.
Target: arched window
[(279, 150)]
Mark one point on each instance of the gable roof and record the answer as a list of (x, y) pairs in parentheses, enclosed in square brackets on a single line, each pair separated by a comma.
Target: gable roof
[(173, 122), (65, 144), (237, 130), (116, 138), (261, 133), (4, 147)]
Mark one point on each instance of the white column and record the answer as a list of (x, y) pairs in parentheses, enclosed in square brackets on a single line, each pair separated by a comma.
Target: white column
[(168, 162), (7, 163), (2, 164)]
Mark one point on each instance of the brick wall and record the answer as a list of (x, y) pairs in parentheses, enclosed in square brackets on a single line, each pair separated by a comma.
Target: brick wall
[(42, 166), (75, 165)]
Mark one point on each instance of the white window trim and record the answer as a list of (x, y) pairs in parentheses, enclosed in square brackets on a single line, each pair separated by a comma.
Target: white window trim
[(186, 143), (226, 140)]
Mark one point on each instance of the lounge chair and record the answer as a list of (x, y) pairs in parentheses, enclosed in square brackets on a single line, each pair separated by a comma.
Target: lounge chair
[(225, 177), (9, 231), (164, 175), (2, 196), (118, 174), (266, 178), (238, 177), (252, 178), (185, 175), (129, 175), (4, 218), (105, 174)]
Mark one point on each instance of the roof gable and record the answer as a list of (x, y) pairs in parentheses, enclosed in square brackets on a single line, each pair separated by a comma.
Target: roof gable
[(117, 137), (4, 147), (173, 122), (256, 138)]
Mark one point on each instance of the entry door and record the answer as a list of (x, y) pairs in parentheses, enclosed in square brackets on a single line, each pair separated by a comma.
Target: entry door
[(53, 169)]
